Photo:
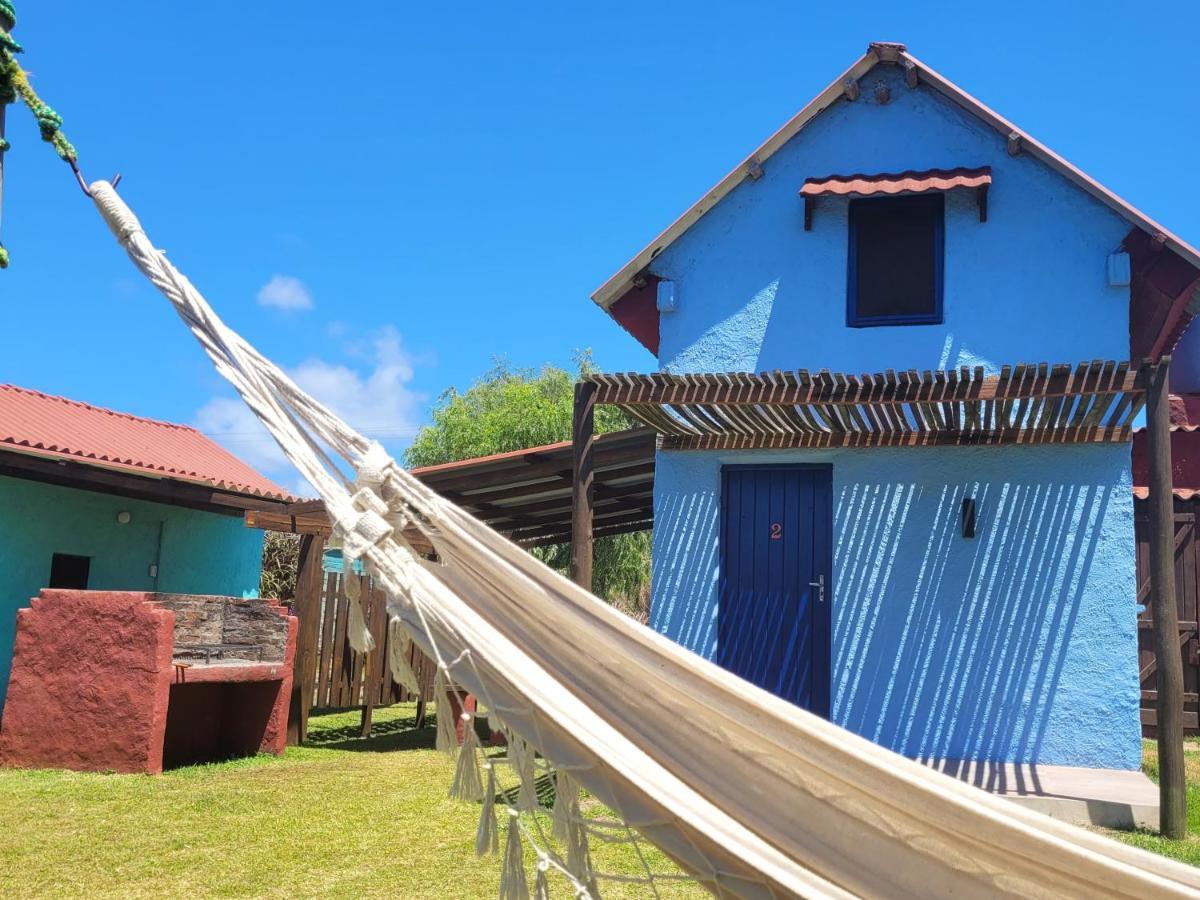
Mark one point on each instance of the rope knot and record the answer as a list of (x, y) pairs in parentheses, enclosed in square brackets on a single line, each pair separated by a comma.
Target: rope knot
[(368, 526), (8, 15), (49, 122), (373, 467)]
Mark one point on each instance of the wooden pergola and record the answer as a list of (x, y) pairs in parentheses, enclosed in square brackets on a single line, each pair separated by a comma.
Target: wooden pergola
[(1092, 402), (527, 495)]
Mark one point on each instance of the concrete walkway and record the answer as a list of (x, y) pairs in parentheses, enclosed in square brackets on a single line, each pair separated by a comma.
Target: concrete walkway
[(1110, 797)]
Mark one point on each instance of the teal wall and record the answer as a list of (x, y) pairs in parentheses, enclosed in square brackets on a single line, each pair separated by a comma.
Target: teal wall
[(202, 553)]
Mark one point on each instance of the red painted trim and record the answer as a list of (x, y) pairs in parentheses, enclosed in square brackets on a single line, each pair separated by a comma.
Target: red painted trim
[(1185, 461), (637, 312), (1162, 286)]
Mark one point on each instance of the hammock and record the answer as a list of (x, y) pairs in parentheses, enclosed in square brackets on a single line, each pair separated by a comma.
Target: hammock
[(751, 796)]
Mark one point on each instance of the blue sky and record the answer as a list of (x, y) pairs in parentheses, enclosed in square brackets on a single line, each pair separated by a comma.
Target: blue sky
[(384, 196)]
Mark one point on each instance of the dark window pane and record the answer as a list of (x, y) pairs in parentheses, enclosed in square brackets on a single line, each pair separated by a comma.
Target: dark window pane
[(896, 258), (68, 571)]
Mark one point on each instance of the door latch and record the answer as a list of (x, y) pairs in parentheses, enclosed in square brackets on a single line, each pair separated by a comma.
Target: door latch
[(819, 584)]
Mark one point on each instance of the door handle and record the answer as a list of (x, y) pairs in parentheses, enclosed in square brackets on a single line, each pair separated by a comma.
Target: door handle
[(819, 584)]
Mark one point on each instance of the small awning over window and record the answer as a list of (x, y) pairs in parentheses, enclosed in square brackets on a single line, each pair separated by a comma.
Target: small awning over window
[(890, 185), (904, 183)]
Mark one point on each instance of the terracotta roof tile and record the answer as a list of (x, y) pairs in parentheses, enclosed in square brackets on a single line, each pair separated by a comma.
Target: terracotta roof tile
[(1143, 493), (902, 183), (56, 427)]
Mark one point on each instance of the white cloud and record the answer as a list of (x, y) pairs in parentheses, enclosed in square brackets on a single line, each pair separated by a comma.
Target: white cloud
[(230, 423), (286, 293), (376, 398)]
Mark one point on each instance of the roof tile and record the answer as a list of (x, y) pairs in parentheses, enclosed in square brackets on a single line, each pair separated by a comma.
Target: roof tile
[(902, 183), (53, 426)]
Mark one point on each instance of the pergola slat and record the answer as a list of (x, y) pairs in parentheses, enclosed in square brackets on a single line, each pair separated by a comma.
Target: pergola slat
[(1091, 402)]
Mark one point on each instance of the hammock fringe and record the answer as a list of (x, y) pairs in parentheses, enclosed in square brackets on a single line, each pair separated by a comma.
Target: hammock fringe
[(487, 835), (467, 784), (513, 883)]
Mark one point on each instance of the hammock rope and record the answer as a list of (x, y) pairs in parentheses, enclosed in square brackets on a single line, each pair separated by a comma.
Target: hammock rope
[(749, 795)]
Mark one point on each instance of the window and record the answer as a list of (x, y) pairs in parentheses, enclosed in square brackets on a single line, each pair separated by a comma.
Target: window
[(895, 275), (67, 571)]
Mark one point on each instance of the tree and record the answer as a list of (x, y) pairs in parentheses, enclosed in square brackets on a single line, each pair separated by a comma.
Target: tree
[(512, 409)]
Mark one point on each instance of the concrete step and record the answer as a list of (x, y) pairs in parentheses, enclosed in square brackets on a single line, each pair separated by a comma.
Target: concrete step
[(1112, 798)]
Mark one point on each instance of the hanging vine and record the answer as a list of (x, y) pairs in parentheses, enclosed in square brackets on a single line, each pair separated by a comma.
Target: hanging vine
[(14, 85)]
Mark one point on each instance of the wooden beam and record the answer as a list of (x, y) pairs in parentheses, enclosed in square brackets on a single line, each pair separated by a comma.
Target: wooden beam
[(546, 468), (897, 438), (1169, 719), (277, 521), (792, 388), (583, 438), (307, 608), (121, 483)]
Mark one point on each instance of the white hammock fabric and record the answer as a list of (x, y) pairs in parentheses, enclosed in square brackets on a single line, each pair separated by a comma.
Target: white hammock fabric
[(752, 796)]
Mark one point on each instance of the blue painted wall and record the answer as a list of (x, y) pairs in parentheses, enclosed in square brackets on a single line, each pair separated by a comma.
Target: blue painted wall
[(755, 291), (1021, 643), (1017, 644), (202, 553)]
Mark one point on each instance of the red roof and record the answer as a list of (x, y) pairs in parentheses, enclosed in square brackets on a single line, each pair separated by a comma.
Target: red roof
[(55, 427), (903, 183), (1185, 461)]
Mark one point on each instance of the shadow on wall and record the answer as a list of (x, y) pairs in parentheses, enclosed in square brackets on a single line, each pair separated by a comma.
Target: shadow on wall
[(948, 647), (684, 561)]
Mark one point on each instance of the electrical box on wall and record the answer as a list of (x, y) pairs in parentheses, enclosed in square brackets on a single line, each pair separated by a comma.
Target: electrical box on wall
[(666, 296), (1119, 274)]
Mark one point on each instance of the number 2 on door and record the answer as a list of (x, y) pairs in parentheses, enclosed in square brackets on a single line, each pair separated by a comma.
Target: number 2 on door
[(776, 531)]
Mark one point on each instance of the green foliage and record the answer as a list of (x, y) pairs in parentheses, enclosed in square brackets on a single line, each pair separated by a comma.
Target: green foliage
[(507, 409), (512, 409), (280, 559)]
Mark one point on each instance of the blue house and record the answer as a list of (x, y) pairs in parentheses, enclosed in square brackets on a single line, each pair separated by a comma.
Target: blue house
[(103, 500), (947, 598)]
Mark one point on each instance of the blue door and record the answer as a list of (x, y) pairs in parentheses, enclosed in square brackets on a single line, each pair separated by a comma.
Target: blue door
[(773, 621)]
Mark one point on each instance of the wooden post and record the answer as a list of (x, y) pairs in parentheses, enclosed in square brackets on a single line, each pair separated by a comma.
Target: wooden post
[(583, 439), (375, 674), (1172, 785), (307, 608)]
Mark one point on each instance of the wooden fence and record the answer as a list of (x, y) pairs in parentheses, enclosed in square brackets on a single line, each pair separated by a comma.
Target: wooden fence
[(328, 673), (1187, 590)]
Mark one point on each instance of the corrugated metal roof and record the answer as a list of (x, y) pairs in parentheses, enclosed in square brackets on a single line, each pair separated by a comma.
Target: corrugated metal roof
[(55, 427), (902, 183)]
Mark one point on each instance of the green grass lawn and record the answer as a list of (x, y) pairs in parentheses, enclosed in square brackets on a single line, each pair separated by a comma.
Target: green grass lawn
[(1188, 849), (339, 817)]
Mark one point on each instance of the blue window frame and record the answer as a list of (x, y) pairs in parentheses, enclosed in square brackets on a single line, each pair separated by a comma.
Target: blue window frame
[(897, 246)]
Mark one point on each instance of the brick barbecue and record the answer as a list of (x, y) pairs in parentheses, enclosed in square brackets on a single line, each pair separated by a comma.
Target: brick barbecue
[(129, 681)]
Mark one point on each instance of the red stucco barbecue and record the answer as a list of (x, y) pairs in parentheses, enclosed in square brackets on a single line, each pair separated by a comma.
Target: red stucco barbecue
[(130, 681)]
